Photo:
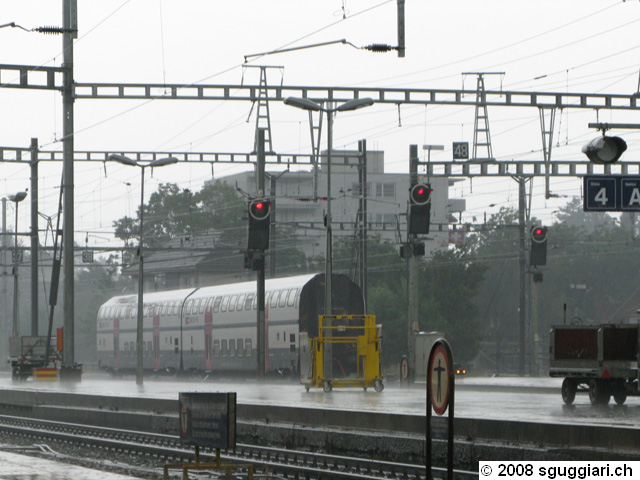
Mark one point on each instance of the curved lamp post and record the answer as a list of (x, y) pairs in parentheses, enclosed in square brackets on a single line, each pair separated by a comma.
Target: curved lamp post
[(306, 104), (160, 162)]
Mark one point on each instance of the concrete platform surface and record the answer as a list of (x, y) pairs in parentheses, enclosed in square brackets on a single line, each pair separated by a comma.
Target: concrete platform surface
[(26, 467)]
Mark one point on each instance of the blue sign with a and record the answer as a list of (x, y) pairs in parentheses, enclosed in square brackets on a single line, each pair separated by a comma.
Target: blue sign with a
[(611, 193)]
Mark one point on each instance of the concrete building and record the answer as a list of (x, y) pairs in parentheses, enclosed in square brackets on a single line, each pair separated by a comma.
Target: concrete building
[(387, 200)]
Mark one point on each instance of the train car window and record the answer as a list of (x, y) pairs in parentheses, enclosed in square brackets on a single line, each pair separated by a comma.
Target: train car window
[(225, 302), (274, 299), (298, 296), (163, 308), (292, 348), (145, 310), (223, 349), (232, 348), (240, 302), (203, 303), (176, 340), (232, 302), (176, 305), (216, 348), (291, 298), (254, 303), (249, 301), (267, 297), (292, 338), (188, 305), (247, 347), (216, 304), (208, 305), (240, 348), (283, 299)]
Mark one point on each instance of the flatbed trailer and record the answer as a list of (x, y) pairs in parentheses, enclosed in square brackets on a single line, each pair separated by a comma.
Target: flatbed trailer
[(599, 359)]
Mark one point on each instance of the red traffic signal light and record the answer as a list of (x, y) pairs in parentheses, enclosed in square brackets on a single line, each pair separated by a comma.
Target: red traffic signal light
[(260, 209), (539, 246), (420, 194), (539, 234)]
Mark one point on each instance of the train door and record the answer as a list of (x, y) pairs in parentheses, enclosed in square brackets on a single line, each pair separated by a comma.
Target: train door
[(116, 343), (208, 327), (156, 340)]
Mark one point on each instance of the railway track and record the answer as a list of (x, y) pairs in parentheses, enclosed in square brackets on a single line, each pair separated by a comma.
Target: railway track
[(152, 451)]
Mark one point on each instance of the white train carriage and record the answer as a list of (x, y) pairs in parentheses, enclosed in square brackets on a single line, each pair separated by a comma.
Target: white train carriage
[(213, 329)]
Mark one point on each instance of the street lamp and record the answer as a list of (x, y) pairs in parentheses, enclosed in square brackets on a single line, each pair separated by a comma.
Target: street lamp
[(16, 198), (306, 104), (160, 162)]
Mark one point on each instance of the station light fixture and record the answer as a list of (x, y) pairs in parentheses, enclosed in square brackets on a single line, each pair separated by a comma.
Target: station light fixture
[(604, 149)]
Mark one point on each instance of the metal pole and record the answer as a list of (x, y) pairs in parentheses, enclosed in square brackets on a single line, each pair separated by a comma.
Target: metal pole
[(68, 180), (362, 148), (521, 231), (15, 330), (412, 263), (260, 273), (34, 237), (328, 351), (139, 329), (5, 318)]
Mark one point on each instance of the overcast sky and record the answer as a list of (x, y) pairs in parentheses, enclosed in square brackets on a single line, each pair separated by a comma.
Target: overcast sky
[(576, 46)]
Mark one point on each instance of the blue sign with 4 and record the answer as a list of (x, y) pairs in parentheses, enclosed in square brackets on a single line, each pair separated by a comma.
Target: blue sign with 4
[(611, 193)]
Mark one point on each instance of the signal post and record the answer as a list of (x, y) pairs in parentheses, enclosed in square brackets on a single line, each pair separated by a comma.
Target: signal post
[(259, 210), (418, 219)]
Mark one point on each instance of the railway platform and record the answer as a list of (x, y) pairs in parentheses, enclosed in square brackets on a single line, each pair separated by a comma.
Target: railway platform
[(15, 466)]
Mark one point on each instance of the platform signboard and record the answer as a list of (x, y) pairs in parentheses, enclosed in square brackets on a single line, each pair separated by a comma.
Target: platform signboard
[(440, 396), (208, 419), (439, 373), (611, 193)]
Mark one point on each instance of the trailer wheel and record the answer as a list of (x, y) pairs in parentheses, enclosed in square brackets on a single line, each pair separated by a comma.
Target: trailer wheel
[(569, 387), (378, 385), (599, 392), (619, 394)]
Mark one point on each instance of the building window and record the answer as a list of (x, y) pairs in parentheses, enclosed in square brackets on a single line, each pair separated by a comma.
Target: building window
[(385, 190), (355, 189)]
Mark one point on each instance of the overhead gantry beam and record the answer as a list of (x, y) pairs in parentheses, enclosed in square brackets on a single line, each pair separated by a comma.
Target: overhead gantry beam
[(501, 168), (50, 78)]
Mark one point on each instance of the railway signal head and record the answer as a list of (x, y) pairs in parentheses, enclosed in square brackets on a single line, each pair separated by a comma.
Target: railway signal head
[(259, 224), (419, 208), (604, 149), (539, 246)]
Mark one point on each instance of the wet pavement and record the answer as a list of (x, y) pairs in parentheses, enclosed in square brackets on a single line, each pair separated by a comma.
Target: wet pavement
[(25, 467), (523, 399)]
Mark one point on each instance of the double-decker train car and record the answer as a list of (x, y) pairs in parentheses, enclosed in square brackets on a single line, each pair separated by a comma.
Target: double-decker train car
[(213, 329)]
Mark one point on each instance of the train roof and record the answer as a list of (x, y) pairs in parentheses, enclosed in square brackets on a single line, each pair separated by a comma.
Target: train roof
[(272, 284)]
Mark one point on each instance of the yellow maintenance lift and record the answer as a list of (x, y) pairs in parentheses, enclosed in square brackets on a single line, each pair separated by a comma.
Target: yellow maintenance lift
[(355, 342)]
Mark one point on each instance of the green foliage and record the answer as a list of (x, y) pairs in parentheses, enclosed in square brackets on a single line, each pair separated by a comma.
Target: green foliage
[(592, 267), (172, 211), (447, 284)]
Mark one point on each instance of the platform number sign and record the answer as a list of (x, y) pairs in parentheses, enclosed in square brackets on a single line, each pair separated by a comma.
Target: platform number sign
[(460, 150), (87, 256), (612, 193)]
